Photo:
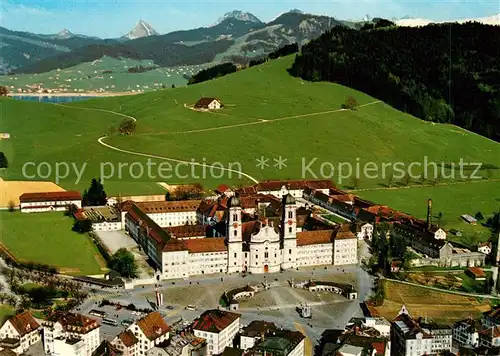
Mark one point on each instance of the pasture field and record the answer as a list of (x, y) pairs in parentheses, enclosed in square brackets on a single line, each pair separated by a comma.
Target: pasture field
[(451, 200), (11, 190), (267, 114), (108, 74), (421, 302), (47, 238)]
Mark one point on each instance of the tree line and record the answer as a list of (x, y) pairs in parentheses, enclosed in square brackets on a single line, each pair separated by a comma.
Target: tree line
[(447, 73), (217, 71)]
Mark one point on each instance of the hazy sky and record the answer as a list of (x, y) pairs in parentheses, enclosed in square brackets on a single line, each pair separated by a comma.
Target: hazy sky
[(113, 18)]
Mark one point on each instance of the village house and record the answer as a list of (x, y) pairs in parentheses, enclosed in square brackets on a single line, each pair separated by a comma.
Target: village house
[(365, 232), (254, 332), (150, 331), (491, 318), (70, 334), (126, 343), (208, 104), (218, 328), (19, 332), (106, 349), (484, 247), (490, 337), (49, 201), (410, 337), (466, 332), (183, 344), (281, 343)]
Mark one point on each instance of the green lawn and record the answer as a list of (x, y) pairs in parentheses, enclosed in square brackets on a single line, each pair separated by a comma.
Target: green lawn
[(6, 311), (47, 238), (265, 99), (452, 201)]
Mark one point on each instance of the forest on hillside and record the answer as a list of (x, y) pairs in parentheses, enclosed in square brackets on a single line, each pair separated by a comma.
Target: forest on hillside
[(448, 73), (147, 48)]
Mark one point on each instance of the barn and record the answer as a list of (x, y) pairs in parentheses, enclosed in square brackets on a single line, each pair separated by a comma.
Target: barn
[(208, 104)]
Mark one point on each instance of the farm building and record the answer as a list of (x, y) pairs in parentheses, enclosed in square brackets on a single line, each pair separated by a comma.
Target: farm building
[(103, 218), (469, 219), (49, 201), (476, 273), (208, 103)]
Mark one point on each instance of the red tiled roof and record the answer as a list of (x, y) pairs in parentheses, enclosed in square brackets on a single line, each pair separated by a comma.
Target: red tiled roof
[(343, 235), (168, 206), (153, 326), (215, 321), (128, 338), (379, 348), (314, 237), (49, 196), (211, 244), (24, 323), (222, 188), (77, 323), (160, 236), (186, 231), (294, 184), (477, 272)]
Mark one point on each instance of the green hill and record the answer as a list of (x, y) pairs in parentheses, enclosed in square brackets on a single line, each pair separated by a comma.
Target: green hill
[(267, 114)]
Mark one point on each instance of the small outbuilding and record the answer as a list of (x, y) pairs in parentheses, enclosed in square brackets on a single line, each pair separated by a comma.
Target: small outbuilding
[(208, 104), (476, 273)]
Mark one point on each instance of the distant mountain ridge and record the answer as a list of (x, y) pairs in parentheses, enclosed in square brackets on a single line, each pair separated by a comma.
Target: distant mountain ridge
[(245, 36)]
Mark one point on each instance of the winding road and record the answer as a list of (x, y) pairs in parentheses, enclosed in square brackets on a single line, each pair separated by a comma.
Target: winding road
[(190, 163)]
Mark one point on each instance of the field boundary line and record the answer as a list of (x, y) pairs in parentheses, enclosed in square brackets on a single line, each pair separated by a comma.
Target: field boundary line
[(101, 141), (260, 121)]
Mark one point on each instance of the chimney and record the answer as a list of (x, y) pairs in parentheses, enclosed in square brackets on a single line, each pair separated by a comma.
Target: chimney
[(429, 214)]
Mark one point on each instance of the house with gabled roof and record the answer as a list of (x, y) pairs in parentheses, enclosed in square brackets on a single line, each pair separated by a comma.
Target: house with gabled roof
[(22, 330), (150, 331), (218, 328), (208, 104), (127, 343)]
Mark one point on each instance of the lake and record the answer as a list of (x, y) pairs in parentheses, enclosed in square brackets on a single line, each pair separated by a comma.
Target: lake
[(52, 98)]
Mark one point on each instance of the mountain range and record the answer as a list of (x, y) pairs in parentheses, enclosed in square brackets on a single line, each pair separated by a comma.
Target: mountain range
[(236, 33)]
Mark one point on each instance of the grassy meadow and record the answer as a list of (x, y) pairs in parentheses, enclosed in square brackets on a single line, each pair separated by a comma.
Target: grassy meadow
[(47, 238), (93, 76), (452, 201), (267, 114)]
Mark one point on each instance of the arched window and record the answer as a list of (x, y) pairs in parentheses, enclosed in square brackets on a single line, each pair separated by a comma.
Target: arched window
[(290, 214), (235, 217)]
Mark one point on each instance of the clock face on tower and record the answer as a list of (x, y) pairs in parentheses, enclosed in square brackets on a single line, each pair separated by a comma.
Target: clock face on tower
[(235, 225), (290, 222)]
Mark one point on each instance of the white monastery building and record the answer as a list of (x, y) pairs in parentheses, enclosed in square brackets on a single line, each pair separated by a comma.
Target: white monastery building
[(49, 201), (243, 242)]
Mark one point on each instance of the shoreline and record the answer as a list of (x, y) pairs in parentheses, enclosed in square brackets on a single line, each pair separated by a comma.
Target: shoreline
[(90, 94)]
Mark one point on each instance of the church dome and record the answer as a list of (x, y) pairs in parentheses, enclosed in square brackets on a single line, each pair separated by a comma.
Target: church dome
[(289, 199), (234, 201)]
